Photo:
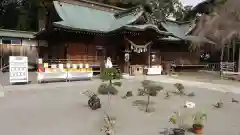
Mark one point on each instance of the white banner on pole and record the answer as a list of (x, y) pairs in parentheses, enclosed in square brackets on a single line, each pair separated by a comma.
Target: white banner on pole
[(18, 69)]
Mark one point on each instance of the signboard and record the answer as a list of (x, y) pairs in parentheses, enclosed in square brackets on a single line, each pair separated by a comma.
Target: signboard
[(18, 69)]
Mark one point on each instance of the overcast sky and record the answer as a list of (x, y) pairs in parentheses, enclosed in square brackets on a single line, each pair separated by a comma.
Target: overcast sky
[(190, 2)]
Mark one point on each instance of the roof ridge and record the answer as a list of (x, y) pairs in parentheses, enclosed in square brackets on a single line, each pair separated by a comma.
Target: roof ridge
[(178, 22), (92, 3), (101, 4), (132, 10)]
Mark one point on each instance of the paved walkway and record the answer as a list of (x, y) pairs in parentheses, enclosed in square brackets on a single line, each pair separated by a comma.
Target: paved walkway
[(164, 79), (60, 109), (206, 77), (206, 85), (49, 85)]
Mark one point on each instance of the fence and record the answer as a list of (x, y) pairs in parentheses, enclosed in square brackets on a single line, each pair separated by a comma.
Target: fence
[(213, 66), (222, 66), (228, 66), (60, 70)]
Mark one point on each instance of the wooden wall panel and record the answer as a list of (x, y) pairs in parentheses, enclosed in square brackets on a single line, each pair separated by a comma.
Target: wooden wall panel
[(139, 58), (180, 57), (76, 50), (61, 52), (82, 53), (17, 50), (43, 52), (31, 52)]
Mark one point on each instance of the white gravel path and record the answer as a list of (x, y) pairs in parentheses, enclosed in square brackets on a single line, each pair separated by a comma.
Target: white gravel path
[(60, 109)]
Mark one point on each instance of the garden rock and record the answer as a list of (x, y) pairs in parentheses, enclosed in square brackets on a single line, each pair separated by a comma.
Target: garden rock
[(94, 102)]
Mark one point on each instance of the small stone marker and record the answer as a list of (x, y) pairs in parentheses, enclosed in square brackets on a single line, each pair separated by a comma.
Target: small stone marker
[(189, 104)]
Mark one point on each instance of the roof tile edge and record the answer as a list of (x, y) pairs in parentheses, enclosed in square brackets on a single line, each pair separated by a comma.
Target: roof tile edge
[(92, 4), (19, 31)]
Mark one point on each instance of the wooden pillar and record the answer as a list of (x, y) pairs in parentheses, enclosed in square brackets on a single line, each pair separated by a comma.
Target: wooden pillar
[(233, 54), (1, 53), (128, 67), (65, 51), (233, 50), (149, 56), (228, 53), (221, 59), (239, 59)]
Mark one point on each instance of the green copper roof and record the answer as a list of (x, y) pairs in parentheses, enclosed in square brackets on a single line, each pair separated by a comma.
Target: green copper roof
[(145, 27), (178, 30), (85, 18)]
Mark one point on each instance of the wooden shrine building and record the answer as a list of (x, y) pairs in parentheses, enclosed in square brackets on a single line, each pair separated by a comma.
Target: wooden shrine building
[(88, 32), (20, 43)]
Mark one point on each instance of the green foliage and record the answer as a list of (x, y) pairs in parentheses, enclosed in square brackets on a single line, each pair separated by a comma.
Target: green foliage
[(161, 9), (151, 85), (19, 14), (199, 117), (105, 89), (177, 120), (180, 88), (151, 88), (109, 74), (181, 120), (186, 120), (119, 84), (23, 14)]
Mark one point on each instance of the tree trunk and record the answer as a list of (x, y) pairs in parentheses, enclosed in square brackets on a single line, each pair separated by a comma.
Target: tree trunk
[(110, 82), (149, 56), (221, 59), (148, 101)]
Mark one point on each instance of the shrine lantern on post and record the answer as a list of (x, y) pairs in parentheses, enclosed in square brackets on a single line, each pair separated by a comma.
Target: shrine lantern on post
[(126, 55), (126, 59)]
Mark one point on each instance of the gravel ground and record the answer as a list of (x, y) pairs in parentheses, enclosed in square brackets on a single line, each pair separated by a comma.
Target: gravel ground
[(60, 109)]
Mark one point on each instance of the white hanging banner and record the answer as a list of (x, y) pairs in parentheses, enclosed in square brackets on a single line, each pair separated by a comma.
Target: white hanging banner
[(18, 69)]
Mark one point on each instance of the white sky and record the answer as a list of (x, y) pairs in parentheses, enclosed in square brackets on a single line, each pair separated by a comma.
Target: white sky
[(190, 2)]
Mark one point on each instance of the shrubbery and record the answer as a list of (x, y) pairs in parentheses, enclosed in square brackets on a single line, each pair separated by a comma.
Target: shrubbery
[(109, 74)]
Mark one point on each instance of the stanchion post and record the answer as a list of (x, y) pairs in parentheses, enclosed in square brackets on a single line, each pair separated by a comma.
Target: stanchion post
[(68, 67)]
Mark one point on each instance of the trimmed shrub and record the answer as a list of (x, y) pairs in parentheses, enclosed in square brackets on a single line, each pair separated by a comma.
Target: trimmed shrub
[(104, 89)]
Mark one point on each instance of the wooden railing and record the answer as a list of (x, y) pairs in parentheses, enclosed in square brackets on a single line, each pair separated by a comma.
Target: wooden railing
[(222, 66), (76, 61), (73, 61)]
